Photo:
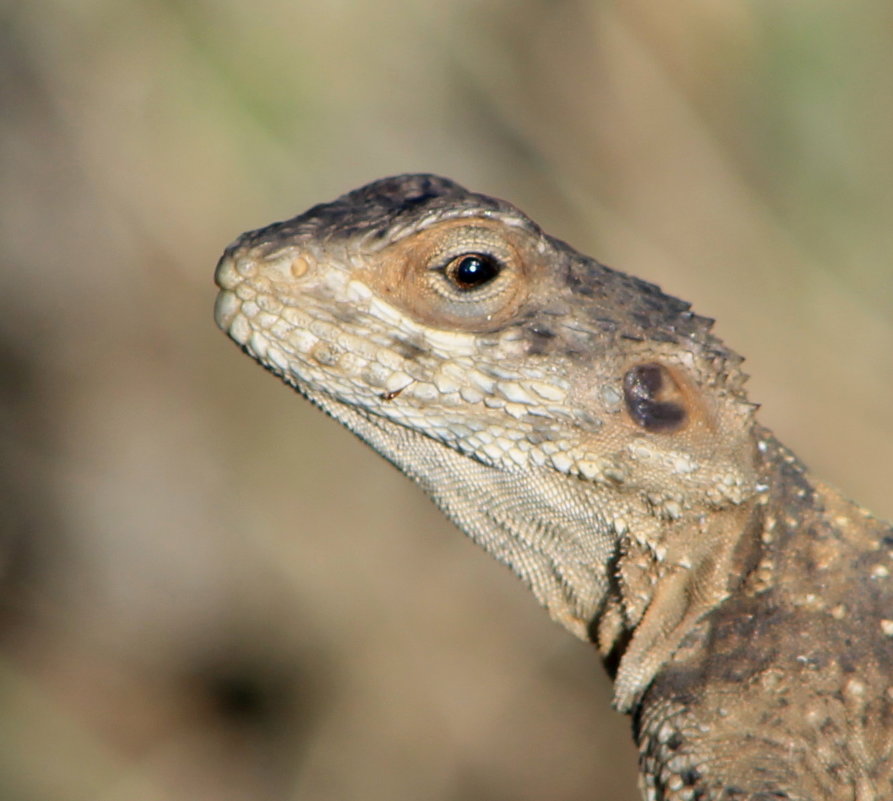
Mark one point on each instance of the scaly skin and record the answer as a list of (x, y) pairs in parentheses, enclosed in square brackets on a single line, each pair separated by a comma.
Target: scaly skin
[(591, 433)]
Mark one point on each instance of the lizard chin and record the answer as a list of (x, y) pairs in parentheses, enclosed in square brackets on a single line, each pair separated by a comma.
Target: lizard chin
[(555, 540)]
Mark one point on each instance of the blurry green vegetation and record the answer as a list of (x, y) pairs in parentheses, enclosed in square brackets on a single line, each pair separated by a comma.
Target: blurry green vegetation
[(207, 591)]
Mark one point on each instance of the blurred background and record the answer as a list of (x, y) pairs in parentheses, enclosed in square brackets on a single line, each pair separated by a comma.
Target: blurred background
[(208, 590)]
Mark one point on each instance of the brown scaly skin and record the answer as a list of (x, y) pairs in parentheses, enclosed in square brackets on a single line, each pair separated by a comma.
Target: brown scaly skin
[(784, 690), (591, 433)]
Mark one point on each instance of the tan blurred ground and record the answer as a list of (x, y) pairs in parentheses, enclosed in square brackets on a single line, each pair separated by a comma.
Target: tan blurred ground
[(210, 592)]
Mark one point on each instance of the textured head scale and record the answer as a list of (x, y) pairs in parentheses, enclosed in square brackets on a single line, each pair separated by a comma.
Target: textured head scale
[(590, 432), (476, 352)]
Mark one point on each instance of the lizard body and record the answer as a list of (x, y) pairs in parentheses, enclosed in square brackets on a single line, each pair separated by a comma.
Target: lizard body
[(591, 433)]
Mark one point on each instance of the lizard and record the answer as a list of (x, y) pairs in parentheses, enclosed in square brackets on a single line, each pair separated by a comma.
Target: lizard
[(593, 434)]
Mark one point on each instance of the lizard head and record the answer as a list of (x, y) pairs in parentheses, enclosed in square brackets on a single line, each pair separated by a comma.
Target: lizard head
[(450, 332)]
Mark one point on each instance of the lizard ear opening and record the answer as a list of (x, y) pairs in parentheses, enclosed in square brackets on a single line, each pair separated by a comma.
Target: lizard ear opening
[(654, 399)]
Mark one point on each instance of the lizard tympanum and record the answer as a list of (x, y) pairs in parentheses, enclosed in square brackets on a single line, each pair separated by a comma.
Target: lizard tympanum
[(592, 434)]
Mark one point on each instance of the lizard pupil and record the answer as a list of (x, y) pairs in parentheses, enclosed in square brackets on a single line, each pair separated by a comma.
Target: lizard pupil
[(472, 271)]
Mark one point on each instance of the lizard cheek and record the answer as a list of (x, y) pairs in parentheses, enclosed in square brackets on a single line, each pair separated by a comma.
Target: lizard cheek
[(653, 398)]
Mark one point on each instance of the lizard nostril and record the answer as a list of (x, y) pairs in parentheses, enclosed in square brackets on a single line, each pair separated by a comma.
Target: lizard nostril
[(245, 265)]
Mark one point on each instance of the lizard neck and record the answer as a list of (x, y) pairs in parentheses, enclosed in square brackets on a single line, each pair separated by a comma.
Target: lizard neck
[(668, 574), (797, 634), (785, 545), (808, 538)]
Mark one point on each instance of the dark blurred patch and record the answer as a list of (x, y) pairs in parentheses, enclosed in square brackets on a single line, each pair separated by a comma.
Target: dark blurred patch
[(245, 698), (29, 526), (32, 539), (261, 707), (263, 695), (21, 442)]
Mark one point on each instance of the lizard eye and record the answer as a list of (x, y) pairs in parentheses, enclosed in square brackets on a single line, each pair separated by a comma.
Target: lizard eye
[(466, 274), (472, 270)]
